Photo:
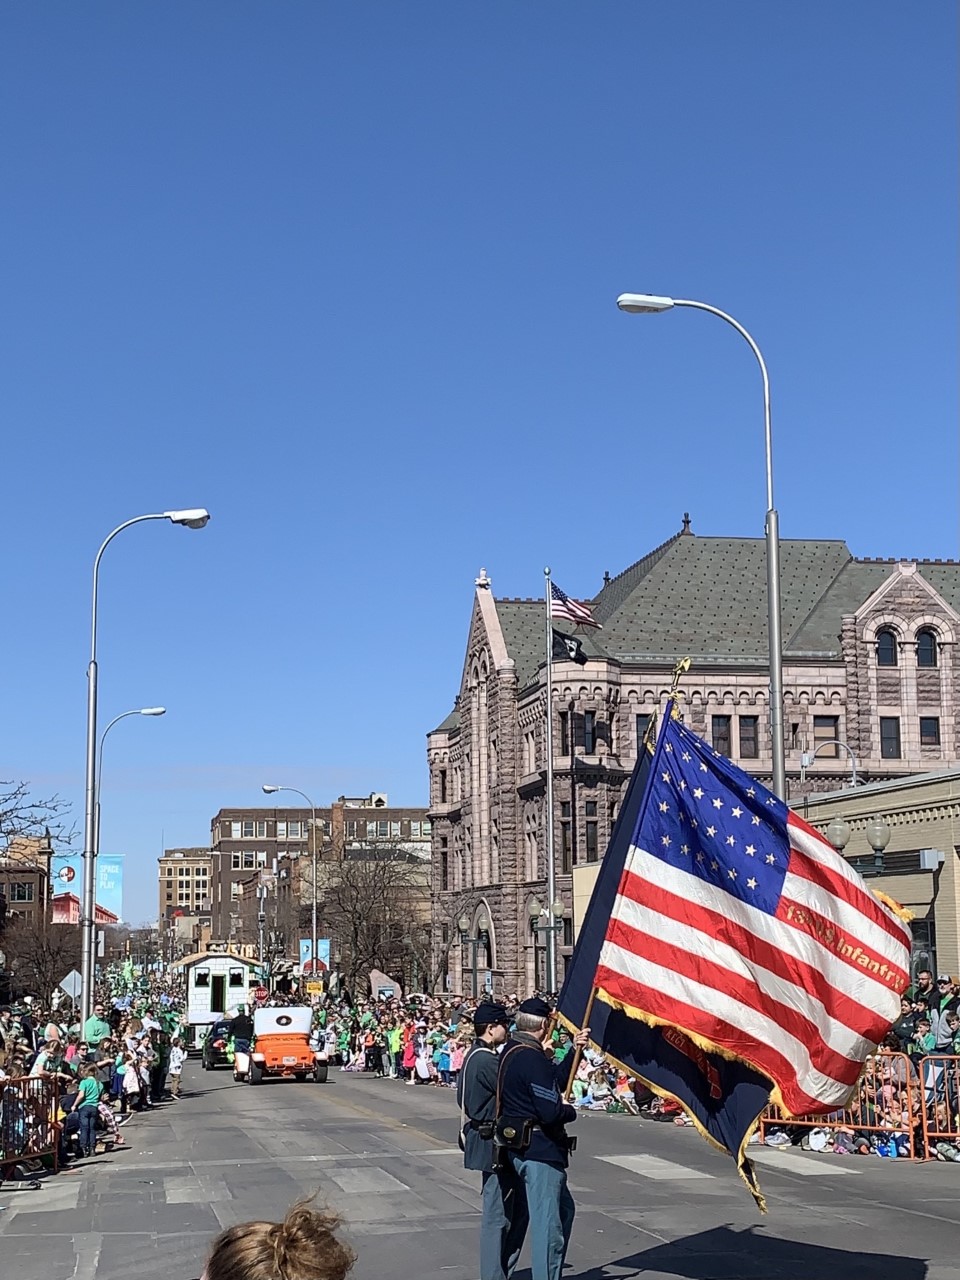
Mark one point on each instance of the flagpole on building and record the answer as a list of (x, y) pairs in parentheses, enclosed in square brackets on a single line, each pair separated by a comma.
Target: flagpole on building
[(551, 983)]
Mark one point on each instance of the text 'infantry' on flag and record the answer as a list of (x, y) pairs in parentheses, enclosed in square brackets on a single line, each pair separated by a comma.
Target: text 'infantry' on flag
[(567, 648), (561, 606)]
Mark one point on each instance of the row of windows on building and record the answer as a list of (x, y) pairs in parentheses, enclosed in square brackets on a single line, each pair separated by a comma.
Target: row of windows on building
[(256, 829), (570, 853), (826, 731), (537, 935), (889, 646), (248, 860), (297, 829), (586, 730)]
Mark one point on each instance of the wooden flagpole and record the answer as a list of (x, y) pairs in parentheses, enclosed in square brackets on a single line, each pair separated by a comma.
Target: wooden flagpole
[(578, 1052)]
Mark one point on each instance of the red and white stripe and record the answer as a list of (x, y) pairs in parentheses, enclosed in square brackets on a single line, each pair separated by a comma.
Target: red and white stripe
[(561, 606), (788, 993)]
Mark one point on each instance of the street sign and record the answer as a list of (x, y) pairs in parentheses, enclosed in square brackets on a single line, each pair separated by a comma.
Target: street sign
[(72, 984), (260, 993), (314, 988)]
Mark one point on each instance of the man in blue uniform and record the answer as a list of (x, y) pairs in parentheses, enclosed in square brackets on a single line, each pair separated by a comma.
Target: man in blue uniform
[(504, 1221), (531, 1104)]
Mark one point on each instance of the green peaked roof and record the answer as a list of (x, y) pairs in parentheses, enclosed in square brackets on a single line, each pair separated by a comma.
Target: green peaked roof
[(707, 598)]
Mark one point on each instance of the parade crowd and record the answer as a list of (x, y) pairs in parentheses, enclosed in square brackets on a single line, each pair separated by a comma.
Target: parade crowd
[(126, 1057), (129, 1055), (901, 1086)]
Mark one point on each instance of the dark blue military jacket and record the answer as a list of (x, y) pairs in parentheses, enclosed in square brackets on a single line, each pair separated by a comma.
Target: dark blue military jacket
[(476, 1094), (529, 1091)]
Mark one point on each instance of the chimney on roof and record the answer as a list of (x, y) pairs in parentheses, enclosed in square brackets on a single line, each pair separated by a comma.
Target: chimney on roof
[(686, 523)]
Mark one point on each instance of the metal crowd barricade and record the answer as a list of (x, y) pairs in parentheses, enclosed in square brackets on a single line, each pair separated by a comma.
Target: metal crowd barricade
[(885, 1101), (29, 1127), (939, 1088)]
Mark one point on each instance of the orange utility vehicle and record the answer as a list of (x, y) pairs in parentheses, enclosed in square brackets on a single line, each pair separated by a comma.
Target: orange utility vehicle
[(281, 1047)]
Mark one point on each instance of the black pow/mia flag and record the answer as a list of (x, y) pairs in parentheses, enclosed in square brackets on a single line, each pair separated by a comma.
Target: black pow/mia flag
[(567, 649)]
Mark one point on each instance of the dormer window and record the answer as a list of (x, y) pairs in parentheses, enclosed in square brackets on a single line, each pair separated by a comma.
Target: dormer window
[(886, 649), (926, 648)]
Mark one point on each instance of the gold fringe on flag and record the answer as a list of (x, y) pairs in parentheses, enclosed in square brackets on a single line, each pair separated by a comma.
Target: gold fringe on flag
[(901, 912)]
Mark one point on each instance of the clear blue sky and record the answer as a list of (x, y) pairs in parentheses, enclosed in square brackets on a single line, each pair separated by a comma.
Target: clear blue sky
[(345, 274)]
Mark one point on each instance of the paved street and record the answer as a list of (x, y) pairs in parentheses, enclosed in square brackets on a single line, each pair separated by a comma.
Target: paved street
[(653, 1200)]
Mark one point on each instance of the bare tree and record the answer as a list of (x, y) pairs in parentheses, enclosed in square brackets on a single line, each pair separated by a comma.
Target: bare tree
[(21, 815), (373, 903), (41, 958)]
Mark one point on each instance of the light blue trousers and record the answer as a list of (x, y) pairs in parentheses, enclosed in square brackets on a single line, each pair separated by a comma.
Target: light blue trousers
[(503, 1225), (550, 1207)]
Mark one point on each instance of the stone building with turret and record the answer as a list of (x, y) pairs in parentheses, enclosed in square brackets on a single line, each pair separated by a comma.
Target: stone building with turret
[(871, 689)]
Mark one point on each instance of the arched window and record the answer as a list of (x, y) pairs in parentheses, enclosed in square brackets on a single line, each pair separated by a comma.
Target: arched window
[(926, 648), (886, 649)]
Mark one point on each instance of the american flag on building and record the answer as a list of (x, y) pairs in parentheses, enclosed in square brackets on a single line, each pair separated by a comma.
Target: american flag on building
[(737, 923), (561, 606)]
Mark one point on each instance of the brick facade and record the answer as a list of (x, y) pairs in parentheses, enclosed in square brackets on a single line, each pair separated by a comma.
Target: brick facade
[(487, 760)]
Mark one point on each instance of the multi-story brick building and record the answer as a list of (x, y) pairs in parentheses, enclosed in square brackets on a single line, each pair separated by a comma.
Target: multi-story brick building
[(274, 847), (25, 880), (870, 662), (183, 886), (184, 882)]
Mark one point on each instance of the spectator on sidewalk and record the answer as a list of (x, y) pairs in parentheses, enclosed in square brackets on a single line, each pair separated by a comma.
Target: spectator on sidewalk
[(85, 1105), (96, 1027), (178, 1056)]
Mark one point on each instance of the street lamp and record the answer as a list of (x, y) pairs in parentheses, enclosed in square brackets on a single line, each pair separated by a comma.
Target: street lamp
[(651, 304), (481, 940), (549, 923), (807, 758), (838, 833), (878, 837), (269, 790), (141, 711), (191, 518)]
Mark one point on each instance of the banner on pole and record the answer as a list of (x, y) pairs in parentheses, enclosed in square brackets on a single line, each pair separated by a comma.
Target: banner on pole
[(323, 954), (66, 877)]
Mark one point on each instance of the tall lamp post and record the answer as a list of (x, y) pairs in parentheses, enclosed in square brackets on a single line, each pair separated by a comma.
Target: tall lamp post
[(651, 304), (270, 791), (480, 940), (191, 518), (548, 924), (140, 711)]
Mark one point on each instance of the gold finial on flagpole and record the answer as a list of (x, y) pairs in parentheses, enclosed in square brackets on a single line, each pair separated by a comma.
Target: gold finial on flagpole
[(676, 694)]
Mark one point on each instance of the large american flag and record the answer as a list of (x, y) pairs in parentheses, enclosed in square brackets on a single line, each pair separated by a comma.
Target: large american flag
[(738, 923), (561, 606)]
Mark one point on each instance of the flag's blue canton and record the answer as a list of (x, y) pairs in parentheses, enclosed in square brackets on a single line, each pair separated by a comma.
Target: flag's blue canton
[(706, 817), (558, 594)]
